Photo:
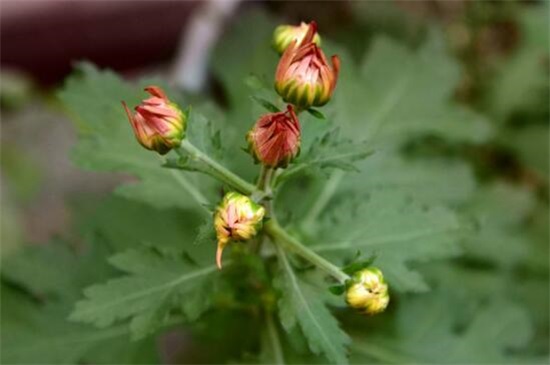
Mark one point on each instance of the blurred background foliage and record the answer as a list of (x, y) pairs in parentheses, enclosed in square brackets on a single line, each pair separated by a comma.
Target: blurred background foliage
[(451, 96)]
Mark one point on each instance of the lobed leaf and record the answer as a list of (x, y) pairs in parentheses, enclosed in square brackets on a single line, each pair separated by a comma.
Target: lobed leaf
[(302, 304), (155, 286)]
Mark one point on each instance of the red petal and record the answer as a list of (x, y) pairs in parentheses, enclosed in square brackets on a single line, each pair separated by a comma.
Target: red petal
[(308, 38), (335, 69), (156, 91), (285, 61)]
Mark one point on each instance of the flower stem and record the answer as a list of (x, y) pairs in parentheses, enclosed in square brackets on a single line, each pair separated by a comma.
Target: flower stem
[(281, 236), (223, 173), (264, 186), (264, 181)]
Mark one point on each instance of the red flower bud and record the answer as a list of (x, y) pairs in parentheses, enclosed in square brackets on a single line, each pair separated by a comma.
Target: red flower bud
[(158, 124), (304, 77), (275, 138)]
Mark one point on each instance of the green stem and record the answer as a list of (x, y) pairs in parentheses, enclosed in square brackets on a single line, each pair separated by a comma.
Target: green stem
[(264, 186), (264, 181), (281, 236), (274, 341), (223, 173)]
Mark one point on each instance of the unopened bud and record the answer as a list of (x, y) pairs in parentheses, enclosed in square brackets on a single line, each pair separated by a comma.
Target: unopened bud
[(304, 77), (275, 138), (368, 292), (285, 34), (158, 124), (237, 218)]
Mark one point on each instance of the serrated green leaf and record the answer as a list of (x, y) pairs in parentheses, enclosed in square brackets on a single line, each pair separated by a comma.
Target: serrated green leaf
[(37, 331), (429, 180), (394, 228), (31, 268), (156, 285), (106, 140), (398, 94), (141, 225), (302, 304), (33, 334), (426, 335), (499, 211), (328, 151)]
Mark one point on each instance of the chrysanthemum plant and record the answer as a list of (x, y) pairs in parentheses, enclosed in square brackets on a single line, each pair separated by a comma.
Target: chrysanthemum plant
[(259, 226), (245, 219), (304, 80), (259, 261)]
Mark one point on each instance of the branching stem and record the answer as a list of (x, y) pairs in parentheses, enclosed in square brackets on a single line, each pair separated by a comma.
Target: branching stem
[(280, 236), (264, 185), (223, 173), (263, 189)]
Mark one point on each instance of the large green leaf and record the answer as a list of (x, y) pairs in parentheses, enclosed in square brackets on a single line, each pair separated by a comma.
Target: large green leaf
[(392, 227), (107, 143), (425, 333), (154, 286), (428, 180), (302, 304), (398, 94), (499, 211), (37, 331), (34, 333)]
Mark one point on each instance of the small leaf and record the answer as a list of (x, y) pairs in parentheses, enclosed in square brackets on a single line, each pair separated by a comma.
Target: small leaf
[(266, 104), (316, 113), (329, 151), (358, 265), (337, 289)]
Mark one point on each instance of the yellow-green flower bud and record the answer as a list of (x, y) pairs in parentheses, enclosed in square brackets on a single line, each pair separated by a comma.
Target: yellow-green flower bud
[(237, 218), (368, 292), (285, 34)]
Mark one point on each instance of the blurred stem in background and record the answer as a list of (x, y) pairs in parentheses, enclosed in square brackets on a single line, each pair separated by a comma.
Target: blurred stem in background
[(198, 38)]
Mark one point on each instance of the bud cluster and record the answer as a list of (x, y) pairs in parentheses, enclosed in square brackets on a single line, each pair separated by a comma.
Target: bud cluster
[(303, 79)]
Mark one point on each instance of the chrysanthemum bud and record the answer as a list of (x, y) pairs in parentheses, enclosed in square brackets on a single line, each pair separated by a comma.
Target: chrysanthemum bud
[(368, 292), (285, 34), (237, 218), (304, 77), (158, 124), (275, 138)]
